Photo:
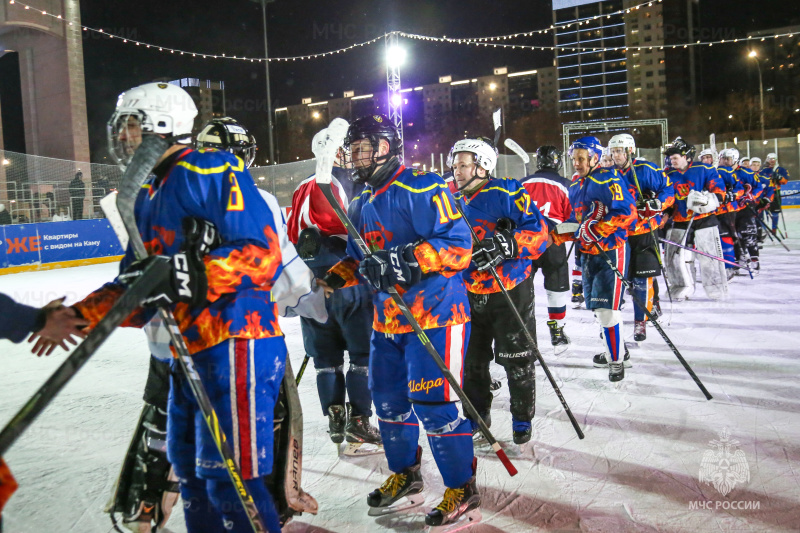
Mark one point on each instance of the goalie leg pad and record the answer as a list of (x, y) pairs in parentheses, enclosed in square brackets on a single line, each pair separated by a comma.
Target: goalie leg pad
[(715, 281), (681, 282)]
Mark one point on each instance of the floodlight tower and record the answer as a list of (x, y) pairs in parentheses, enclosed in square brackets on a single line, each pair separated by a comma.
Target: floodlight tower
[(394, 58)]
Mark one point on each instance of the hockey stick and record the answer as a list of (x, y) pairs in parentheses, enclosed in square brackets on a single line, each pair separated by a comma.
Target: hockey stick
[(653, 236), (517, 149), (783, 221), (142, 163), (302, 369), (324, 152), (152, 276), (769, 231), (497, 119), (653, 320), (528, 337), (696, 251), (571, 246)]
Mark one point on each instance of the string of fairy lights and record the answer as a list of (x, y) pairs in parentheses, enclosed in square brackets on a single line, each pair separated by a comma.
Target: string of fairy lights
[(486, 42)]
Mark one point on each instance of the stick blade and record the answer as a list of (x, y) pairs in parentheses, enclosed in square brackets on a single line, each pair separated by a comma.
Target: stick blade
[(512, 145)]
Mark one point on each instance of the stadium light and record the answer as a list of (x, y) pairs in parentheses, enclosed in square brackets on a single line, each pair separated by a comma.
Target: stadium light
[(395, 56)]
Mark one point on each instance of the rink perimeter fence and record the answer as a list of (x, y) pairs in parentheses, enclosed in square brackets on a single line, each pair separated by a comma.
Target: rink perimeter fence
[(56, 221)]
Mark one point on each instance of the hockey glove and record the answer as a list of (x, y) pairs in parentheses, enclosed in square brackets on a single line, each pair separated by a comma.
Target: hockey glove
[(187, 281), (730, 196), (396, 266), (309, 243), (647, 209), (587, 231), (492, 251), (763, 204), (701, 202)]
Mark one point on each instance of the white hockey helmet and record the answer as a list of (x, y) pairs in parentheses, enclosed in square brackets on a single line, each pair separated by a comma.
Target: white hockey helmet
[(755, 160), (483, 150), (772, 155), (623, 140), (152, 108), (733, 153)]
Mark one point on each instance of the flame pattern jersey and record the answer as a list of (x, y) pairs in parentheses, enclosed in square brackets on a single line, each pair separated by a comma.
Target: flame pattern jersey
[(651, 179), (214, 186), (505, 198), (772, 178), (699, 177), (730, 178), (603, 185), (410, 207)]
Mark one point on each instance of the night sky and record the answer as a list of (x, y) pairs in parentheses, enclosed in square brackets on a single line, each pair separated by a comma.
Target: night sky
[(235, 27)]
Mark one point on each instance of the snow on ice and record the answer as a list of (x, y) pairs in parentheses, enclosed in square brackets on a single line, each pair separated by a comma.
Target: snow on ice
[(657, 456)]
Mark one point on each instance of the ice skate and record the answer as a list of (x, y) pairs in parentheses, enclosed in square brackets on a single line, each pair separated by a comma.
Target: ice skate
[(459, 508), (400, 492), (336, 421), (616, 371), (558, 338), (522, 431), (362, 437), (601, 360), (577, 294), (640, 330)]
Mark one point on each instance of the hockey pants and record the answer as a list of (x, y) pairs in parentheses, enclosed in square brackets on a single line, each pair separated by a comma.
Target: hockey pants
[(492, 323)]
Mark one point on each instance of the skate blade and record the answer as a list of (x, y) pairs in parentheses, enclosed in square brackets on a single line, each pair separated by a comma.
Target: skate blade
[(359, 449), (561, 348), (466, 520), (409, 502)]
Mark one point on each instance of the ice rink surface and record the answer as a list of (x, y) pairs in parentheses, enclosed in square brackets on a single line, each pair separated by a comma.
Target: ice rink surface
[(639, 468)]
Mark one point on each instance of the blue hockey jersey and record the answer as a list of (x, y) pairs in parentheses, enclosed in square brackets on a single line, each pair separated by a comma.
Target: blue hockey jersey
[(216, 187), (504, 198), (603, 185), (414, 206), (651, 179), (698, 177)]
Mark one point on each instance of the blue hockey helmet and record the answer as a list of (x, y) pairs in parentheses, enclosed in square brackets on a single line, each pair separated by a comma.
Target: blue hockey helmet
[(587, 143)]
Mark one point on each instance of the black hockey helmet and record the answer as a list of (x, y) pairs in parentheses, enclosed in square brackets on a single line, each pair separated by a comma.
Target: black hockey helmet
[(227, 134), (374, 128), (680, 147), (548, 156)]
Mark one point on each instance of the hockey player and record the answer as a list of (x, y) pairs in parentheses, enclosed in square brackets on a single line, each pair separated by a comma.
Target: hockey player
[(549, 192), (604, 208), (231, 328), (321, 238), (755, 164), (746, 225), (421, 244), (708, 157), (744, 162), (698, 192), (652, 193), (512, 232), (778, 176), (606, 161), (726, 212)]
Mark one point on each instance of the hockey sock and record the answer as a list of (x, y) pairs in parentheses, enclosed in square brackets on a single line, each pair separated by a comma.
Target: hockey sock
[(557, 305), (642, 292), (358, 390), (728, 251), (775, 217), (224, 497), (400, 435), (612, 331), (330, 387), (198, 511), (450, 439)]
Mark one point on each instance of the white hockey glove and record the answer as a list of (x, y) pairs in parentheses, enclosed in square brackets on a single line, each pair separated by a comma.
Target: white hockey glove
[(701, 202)]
